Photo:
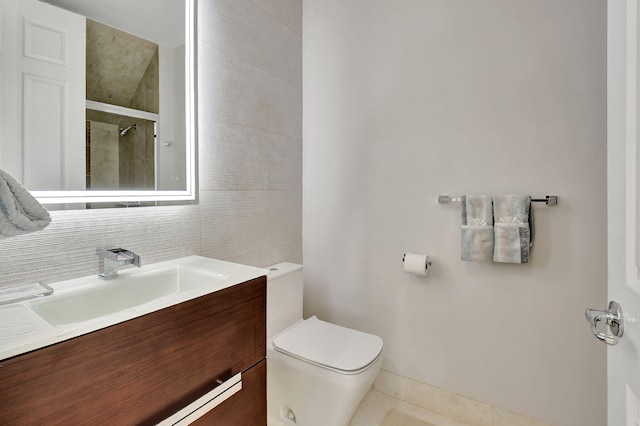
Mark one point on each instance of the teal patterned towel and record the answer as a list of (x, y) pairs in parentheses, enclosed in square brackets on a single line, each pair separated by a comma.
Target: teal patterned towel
[(477, 228)]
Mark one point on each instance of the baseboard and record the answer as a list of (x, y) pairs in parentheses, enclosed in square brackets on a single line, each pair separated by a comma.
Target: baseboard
[(455, 406)]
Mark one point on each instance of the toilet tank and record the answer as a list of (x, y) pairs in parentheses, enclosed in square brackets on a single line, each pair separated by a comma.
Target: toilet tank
[(284, 296)]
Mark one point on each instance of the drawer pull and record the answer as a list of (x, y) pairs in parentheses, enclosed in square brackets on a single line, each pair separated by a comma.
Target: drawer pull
[(205, 403)]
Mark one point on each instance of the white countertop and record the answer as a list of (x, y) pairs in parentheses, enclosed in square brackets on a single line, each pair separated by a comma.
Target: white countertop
[(22, 330)]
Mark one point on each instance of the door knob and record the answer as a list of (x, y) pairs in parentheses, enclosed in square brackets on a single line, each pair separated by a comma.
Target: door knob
[(612, 317)]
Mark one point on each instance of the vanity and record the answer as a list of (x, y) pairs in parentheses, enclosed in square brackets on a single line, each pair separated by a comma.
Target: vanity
[(176, 342), (199, 346)]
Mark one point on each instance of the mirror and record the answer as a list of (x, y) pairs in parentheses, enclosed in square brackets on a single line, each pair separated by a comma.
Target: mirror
[(97, 100)]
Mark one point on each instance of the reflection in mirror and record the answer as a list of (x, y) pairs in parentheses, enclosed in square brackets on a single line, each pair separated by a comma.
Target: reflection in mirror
[(94, 107), (120, 152)]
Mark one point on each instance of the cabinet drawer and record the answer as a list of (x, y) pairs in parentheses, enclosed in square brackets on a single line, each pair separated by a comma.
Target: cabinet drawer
[(140, 371), (248, 407)]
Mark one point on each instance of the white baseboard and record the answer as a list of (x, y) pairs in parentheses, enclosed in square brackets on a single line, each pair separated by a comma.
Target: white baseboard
[(460, 408)]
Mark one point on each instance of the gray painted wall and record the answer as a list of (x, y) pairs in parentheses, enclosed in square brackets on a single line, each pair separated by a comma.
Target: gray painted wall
[(408, 99)]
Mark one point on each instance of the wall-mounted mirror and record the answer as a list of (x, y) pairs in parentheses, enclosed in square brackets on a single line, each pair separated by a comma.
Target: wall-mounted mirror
[(97, 100)]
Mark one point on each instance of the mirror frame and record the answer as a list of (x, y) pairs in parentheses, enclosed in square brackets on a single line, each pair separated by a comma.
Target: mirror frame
[(190, 192)]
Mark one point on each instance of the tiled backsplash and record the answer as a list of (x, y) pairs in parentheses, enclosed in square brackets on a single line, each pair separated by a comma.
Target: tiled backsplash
[(67, 248)]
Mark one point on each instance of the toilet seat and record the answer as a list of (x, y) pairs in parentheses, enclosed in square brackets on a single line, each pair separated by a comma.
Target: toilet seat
[(329, 346)]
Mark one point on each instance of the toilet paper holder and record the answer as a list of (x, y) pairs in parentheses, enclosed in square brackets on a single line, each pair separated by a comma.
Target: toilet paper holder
[(427, 261)]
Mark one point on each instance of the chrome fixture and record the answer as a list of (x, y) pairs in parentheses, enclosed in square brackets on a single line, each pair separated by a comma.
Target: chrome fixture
[(612, 317), (549, 200), (110, 260), (126, 129)]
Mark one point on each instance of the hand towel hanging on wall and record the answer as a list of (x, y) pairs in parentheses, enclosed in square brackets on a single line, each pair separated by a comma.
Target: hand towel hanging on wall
[(513, 229), (20, 213), (477, 228)]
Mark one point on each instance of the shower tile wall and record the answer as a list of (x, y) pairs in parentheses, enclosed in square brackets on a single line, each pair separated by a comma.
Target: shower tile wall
[(146, 96), (138, 163), (104, 155), (249, 210), (121, 68)]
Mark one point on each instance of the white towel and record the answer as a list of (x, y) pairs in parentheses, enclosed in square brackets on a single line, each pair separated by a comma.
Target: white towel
[(20, 213), (477, 228), (513, 228)]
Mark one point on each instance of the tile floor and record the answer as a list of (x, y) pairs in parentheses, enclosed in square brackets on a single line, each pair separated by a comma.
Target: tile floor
[(380, 409)]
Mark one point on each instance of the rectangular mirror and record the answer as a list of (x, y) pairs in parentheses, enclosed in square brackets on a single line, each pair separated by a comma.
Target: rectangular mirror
[(97, 100)]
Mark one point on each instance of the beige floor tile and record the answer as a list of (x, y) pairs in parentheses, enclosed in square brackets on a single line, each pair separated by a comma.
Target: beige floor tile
[(373, 408), (463, 409), (505, 418), (377, 406), (398, 418)]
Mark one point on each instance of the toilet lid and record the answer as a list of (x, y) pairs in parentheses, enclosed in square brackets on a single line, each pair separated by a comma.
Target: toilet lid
[(329, 345)]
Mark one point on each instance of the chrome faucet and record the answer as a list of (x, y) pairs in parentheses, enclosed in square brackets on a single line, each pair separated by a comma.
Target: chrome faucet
[(110, 260)]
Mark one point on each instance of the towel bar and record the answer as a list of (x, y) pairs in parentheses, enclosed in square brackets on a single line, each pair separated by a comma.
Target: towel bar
[(549, 200)]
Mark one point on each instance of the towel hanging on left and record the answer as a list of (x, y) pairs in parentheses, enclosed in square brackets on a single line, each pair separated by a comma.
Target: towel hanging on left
[(20, 213), (477, 228)]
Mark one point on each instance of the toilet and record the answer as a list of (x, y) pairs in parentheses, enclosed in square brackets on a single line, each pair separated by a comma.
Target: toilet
[(317, 372)]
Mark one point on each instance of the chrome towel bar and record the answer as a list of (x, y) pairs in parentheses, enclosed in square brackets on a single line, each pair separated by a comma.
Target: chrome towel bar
[(549, 200)]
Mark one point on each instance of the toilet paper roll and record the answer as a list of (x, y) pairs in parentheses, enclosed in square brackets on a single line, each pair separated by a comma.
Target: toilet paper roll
[(417, 264)]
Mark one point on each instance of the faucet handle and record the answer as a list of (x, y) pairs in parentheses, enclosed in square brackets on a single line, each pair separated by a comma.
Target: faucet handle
[(114, 252), (112, 259), (118, 251), (111, 253), (125, 255)]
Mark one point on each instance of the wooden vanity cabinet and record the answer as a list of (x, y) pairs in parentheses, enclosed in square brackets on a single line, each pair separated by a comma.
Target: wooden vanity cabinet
[(247, 407), (142, 371)]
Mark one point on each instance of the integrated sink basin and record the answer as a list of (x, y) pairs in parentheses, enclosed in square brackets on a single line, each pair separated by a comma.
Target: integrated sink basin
[(135, 291), (106, 297)]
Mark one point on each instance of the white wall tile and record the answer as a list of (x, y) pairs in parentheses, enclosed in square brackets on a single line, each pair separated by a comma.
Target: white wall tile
[(241, 158), (238, 92), (289, 12), (67, 248), (251, 34), (239, 223)]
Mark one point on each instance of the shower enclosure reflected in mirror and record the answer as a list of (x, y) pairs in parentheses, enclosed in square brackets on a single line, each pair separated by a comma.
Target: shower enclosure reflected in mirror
[(97, 99)]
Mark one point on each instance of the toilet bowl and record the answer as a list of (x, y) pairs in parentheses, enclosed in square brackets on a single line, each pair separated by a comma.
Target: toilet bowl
[(317, 372)]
